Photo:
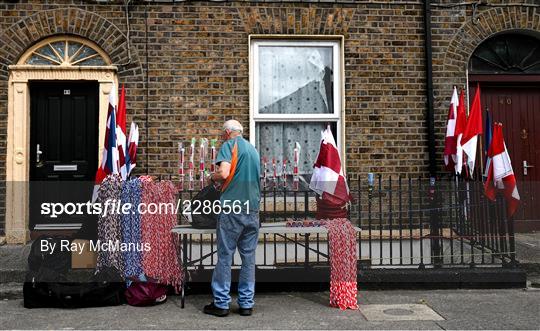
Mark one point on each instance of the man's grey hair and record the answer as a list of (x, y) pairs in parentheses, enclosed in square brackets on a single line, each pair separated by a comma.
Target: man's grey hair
[(233, 125)]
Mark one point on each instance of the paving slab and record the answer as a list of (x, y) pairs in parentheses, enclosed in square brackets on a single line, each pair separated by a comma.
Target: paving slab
[(401, 312), (528, 247)]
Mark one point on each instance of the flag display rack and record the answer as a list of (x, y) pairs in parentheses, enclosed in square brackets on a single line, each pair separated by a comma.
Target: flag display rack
[(463, 136)]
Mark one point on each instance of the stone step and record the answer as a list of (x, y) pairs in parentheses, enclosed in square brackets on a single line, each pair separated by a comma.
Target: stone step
[(11, 291), (12, 276)]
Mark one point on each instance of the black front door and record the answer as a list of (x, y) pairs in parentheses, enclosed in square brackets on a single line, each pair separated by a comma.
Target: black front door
[(63, 147)]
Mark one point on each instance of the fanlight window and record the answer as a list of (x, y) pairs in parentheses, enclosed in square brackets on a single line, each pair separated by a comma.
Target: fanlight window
[(510, 53), (66, 53)]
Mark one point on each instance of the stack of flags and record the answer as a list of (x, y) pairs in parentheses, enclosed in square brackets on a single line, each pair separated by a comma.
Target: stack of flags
[(460, 148), (119, 154), (462, 133)]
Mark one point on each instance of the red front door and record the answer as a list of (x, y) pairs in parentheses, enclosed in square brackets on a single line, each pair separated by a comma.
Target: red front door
[(517, 107)]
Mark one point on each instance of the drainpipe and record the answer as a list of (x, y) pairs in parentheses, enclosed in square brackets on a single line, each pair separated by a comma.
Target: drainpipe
[(430, 121), (435, 202)]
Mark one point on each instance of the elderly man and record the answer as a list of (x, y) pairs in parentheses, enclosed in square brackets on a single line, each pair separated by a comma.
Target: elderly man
[(238, 224)]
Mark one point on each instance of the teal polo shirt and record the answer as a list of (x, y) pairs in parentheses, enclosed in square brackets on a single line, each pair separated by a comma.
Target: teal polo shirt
[(243, 183)]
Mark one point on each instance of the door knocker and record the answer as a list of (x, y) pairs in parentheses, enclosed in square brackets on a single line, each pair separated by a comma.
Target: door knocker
[(524, 134)]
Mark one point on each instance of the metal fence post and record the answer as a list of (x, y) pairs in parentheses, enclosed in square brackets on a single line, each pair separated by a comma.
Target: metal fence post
[(512, 243), (507, 234), (435, 215)]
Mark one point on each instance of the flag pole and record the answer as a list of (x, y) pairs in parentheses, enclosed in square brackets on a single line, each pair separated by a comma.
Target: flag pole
[(481, 152), (481, 159), (467, 200)]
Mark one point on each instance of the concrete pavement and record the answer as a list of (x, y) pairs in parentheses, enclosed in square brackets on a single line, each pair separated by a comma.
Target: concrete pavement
[(460, 309), (528, 255)]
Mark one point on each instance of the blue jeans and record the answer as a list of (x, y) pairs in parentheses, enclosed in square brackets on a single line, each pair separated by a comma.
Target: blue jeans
[(242, 231)]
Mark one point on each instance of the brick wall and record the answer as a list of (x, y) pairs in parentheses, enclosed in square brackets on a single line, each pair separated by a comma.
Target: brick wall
[(197, 55)]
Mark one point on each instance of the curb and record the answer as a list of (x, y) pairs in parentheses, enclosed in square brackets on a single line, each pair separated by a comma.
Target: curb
[(531, 268)]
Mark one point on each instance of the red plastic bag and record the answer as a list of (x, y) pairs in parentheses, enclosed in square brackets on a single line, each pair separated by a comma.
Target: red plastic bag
[(146, 294)]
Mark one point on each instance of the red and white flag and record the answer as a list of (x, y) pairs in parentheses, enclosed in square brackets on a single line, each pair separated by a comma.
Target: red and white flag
[(450, 141), (500, 173), (121, 140), (461, 123), (469, 141), (328, 179), (133, 142)]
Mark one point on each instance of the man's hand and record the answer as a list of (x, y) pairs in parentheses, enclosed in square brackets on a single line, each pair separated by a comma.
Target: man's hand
[(209, 180), (222, 172)]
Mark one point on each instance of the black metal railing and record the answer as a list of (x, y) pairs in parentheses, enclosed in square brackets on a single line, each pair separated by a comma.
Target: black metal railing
[(404, 222)]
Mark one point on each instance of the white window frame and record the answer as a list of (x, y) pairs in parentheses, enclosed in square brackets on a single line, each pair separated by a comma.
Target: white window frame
[(336, 42)]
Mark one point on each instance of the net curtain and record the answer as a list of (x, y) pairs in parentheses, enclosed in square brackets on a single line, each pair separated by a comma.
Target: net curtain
[(293, 80)]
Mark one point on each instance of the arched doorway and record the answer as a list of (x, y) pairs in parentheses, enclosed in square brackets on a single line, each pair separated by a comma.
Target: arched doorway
[(57, 105), (507, 66)]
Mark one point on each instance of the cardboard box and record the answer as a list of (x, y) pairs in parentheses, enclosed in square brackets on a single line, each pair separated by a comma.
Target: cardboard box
[(82, 257)]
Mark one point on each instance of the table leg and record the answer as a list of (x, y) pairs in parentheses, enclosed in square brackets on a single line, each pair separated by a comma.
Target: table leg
[(306, 252), (184, 270)]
